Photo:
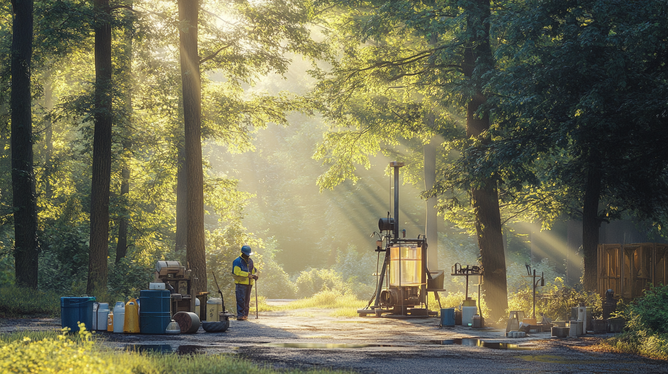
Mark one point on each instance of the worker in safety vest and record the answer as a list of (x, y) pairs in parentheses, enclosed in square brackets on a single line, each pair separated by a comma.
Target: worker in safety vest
[(245, 275)]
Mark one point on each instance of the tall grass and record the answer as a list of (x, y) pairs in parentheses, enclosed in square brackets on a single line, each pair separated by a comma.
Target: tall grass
[(18, 302), (328, 299)]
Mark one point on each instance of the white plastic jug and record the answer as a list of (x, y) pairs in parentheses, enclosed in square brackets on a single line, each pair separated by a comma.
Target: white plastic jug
[(96, 306), (102, 314), (119, 316), (213, 308)]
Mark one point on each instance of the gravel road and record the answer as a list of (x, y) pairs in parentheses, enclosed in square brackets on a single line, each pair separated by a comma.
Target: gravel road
[(311, 338)]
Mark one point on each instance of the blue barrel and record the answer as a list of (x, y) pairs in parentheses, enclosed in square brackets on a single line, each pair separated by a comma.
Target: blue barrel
[(76, 309), (448, 317), (154, 316)]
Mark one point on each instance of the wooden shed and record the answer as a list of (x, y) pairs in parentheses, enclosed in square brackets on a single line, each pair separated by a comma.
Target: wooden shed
[(628, 269)]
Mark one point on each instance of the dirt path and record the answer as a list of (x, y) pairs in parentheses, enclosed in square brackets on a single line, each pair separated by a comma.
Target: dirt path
[(311, 338)]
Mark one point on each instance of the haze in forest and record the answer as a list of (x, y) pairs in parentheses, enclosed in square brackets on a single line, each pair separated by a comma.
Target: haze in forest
[(145, 131)]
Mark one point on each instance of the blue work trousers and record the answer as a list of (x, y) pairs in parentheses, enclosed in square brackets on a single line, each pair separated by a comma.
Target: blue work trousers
[(243, 294)]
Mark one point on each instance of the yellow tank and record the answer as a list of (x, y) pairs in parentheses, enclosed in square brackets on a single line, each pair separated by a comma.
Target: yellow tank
[(110, 322), (405, 266), (131, 325)]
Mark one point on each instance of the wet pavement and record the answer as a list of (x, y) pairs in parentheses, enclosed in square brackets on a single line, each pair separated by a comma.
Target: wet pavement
[(312, 338)]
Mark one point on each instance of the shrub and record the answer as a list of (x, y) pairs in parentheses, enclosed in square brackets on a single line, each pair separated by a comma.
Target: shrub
[(646, 330), (650, 312), (55, 355), (313, 281), (559, 303), (127, 278)]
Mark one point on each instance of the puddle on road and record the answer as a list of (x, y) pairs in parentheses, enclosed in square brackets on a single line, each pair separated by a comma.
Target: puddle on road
[(165, 349), (551, 359), (328, 345), (473, 342)]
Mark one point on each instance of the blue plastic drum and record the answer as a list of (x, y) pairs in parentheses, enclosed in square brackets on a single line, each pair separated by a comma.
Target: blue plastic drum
[(154, 316), (448, 317), (76, 309)]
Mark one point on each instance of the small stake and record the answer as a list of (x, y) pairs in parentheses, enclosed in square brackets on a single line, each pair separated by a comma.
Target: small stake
[(256, 299)]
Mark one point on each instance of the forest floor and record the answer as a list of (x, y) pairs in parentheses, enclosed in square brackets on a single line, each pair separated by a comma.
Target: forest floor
[(312, 338)]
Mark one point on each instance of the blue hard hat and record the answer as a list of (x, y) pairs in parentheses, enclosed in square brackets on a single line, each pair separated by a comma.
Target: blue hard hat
[(246, 250)]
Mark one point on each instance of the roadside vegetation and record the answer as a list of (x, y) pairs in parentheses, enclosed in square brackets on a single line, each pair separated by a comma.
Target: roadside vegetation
[(17, 302), (50, 352), (646, 330)]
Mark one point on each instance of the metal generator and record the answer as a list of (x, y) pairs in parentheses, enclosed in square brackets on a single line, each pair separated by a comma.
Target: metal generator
[(403, 279)]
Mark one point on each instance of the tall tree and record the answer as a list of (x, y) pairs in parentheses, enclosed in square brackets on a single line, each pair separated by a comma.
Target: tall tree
[(101, 170), (412, 58), (126, 132), (192, 119), (578, 109), (478, 62), (23, 176)]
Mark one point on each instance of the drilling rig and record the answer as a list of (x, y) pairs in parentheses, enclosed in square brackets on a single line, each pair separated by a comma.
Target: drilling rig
[(403, 280)]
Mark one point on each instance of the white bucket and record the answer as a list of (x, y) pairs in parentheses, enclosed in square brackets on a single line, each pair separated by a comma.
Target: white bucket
[(101, 317), (467, 315)]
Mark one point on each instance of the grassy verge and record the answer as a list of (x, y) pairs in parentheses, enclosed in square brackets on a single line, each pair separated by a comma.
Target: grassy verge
[(50, 352), (343, 305), (18, 302), (346, 305)]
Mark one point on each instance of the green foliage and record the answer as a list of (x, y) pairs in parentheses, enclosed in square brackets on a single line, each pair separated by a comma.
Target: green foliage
[(557, 301), (223, 246), (64, 260), (51, 355), (31, 352), (313, 281), (22, 302), (128, 277), (646, 330), (275, 282), (649, 312), (518, 278)]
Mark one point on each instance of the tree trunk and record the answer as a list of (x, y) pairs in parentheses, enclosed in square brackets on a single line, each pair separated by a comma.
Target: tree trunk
[(431, 223), (101, 174), (478, 60), (590, 226), (24, 199), (192, 111), (122, 244), (181, 203), (48, 135)]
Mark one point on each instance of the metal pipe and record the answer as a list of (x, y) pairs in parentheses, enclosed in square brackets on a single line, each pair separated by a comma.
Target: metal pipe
[(396, 165)]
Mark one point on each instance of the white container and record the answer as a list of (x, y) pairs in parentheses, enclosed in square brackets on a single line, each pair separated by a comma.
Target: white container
[(197, 304), (467, 315), (582, 317), (96, 305), (119, 317), (213, 309), (156, 286), (102, 314), (576, 329)]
